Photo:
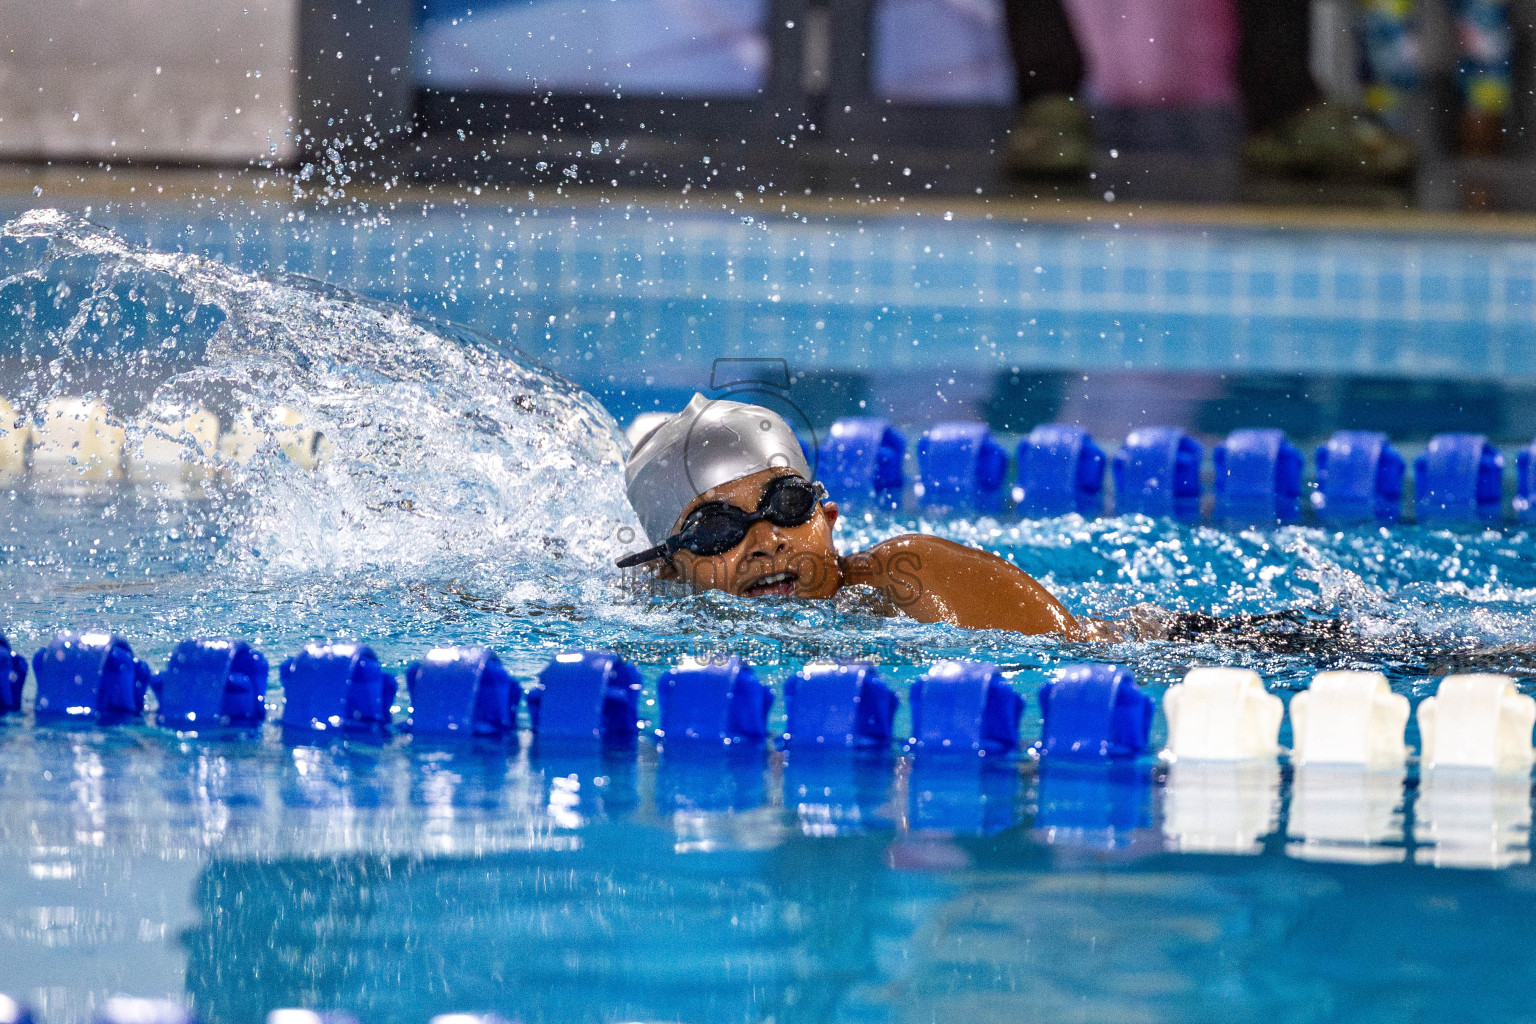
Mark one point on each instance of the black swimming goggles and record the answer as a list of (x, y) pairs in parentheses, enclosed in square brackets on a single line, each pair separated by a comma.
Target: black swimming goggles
[(715, 528)]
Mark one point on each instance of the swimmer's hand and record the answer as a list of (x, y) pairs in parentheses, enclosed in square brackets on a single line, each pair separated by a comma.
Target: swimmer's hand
[(935, 580)]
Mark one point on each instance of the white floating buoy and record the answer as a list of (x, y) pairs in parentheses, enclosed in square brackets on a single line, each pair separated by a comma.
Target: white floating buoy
[(1472, 818), (240, 441), (644, 424), (1350, 718), (1344, 813), (1477, 721), (13, 444), (174, 447), (1221, 806), (1222, 714), (306, 447), (77, 444)]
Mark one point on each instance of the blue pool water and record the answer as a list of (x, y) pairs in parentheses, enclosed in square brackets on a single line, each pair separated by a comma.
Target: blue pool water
[(470, 496)]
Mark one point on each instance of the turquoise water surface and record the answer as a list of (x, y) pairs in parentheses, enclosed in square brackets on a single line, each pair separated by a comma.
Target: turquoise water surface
[(471, 496)]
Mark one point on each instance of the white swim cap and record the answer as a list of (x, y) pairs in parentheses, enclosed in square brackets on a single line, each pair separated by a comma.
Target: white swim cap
[(707, 444)]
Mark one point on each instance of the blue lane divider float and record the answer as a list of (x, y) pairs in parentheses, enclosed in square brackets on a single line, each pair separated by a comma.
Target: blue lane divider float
[(13, 676), (962, 466), (1459, 478), (861, 461), (1258, 477), (1525, 492), (1094, 712), (831, 706), (331, 687), (586, 695), (715, 702), (462, 692), (1157, 473), (89, 677), (1359, 478), (212, 683), (1061, 471), (965, 707)]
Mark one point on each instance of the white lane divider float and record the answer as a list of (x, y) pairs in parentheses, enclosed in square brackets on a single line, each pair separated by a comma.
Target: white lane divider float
[(1348, 747), (173, 448), (1349, 718), (1223, 790), (1222, 714), (13, 444), (304, 446), (1477, 721), (1474, 802), (76, 445)]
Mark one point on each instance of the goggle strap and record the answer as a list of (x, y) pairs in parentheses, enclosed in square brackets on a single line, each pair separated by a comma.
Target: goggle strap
[(641, 557)]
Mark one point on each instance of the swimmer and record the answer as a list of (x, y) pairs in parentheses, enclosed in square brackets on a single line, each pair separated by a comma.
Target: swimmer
[(726, 498)]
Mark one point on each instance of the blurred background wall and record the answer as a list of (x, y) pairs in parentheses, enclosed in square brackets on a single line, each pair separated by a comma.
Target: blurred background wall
[(199, 82), (180, 80), (836, 95)]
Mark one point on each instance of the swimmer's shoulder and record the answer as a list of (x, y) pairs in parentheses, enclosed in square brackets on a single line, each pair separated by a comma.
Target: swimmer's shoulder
[(923, 552), (938, 580)]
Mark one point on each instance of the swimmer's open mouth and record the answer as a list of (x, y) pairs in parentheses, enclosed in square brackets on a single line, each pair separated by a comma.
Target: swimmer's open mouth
[(778, 584)]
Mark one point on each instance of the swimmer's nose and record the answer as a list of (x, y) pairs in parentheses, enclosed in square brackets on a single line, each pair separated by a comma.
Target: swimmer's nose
[(766, 543)]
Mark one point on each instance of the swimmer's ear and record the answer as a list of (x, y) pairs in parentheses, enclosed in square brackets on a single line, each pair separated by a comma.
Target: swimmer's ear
[(829, 508)]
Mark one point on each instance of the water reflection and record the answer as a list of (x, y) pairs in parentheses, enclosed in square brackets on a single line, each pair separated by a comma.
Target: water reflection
[(1347, 814), (1098, 806), (621, 928), (962, 794), (1221, 806), (626, 927), (837, 792), (1472, 818), (550, 883)]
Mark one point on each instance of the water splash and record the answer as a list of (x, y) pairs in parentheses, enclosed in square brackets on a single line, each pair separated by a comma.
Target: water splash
[(449, 451)]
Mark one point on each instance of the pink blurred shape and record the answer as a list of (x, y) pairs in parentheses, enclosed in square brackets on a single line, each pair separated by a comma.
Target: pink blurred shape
[(1158, 53)]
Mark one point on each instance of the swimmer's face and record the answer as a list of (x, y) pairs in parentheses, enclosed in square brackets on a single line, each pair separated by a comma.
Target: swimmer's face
[(785, 561)]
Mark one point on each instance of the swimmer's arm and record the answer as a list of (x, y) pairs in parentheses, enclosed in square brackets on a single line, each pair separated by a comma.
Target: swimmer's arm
[(935, 580)]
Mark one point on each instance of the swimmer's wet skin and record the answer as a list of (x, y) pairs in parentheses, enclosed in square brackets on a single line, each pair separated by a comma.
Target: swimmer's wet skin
[(723, 492)]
